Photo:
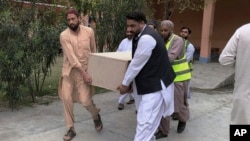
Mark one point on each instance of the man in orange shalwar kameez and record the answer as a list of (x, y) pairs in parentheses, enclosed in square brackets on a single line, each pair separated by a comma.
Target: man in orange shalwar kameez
[(77, 42)]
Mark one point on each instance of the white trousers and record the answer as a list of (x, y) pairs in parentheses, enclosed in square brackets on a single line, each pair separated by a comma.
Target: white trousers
[(150, 109), (122, 97)]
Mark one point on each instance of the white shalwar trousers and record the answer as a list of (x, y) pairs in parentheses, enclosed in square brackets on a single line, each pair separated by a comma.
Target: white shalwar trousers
[(122, 97), (150, 109)]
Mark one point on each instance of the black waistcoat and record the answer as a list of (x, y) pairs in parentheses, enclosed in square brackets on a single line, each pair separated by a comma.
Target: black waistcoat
[(157, 68)]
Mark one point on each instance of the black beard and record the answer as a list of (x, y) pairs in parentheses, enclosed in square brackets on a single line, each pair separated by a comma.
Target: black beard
[(167, 37), (74, 27)]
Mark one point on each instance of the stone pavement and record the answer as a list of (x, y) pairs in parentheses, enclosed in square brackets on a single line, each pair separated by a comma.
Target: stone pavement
[(211, 75), (210, 114)]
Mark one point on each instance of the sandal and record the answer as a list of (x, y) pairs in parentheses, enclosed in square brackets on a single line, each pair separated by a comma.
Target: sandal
[(120, 106), (131, 101), (70, 135), (98, 123)]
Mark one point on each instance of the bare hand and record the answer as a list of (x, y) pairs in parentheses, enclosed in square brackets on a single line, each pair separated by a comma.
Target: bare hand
[(124, 89), (87, 79)]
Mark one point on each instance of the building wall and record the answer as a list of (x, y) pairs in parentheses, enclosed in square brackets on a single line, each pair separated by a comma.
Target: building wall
[(192, 19), (228, 16)]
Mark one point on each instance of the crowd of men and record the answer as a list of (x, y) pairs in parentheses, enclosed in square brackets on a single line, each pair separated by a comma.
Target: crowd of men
[(157, 77)]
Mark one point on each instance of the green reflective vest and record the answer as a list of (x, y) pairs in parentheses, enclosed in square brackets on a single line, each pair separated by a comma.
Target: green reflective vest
[(180, 66)]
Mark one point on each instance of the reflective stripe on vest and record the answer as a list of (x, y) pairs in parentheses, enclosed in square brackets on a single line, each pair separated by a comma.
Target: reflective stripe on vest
[(180, 66)]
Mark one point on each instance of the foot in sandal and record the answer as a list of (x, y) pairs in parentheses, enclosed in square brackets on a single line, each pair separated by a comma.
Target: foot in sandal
[(70, 135)]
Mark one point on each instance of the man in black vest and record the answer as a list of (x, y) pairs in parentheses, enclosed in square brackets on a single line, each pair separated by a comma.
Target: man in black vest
[(151, 76)]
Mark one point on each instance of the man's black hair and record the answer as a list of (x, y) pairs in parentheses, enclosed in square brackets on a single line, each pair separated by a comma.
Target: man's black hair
[(185, 27), (152, 22), (72, 11), (137, 16)]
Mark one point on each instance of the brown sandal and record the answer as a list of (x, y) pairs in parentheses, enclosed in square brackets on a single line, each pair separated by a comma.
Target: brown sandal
[(120, 106), (98, 123), (70, 135), (131, 101)]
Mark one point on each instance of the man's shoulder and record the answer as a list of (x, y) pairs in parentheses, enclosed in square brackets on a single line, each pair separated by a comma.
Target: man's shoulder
[(190, 46), (245, 26), (243, 30), (88, 29), (189, 43), (126, 40), (65, 32), (122, 42), (177, 37)]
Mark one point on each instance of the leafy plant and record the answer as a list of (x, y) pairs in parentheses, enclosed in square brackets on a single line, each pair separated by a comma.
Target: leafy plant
[(29, 36), (28, 47), (110, 18)]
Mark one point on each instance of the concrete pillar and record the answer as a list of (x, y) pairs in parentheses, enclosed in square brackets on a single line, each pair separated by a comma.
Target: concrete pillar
[(207, 30)]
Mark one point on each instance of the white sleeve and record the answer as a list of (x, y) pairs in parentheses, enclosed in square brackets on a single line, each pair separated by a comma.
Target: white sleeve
[(190, 52), (227, 56), (142, 54), (121, 46)]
